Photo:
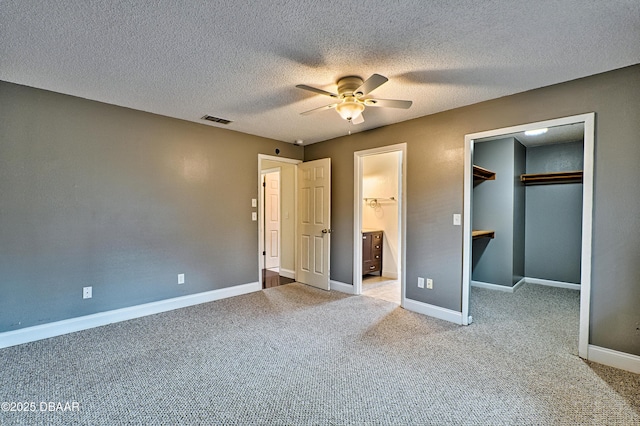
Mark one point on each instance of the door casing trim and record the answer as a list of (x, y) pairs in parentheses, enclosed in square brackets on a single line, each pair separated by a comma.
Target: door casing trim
[(587, 214), (261, 207)]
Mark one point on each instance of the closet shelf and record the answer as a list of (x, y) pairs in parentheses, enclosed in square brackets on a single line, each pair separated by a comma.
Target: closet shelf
[(555, 177), (483, 174), (475, 234)]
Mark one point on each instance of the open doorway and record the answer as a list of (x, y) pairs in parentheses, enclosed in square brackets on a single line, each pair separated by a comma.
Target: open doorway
[(276, 222), (379, 223), (272, 225), (305, 220), (516, 244)]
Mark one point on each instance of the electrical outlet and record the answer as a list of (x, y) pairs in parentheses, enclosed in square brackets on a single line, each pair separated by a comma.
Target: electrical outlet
[(420, 282), (429, 283), (87, 292), (180, 278)]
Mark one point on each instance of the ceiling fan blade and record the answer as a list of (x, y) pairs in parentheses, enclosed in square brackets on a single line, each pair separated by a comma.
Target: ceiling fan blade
[(387, 103), (314, 90), (359, 119), (322, 108), (372, 83)]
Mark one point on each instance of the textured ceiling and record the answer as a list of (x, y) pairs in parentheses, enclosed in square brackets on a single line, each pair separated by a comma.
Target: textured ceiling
[(242, 60)]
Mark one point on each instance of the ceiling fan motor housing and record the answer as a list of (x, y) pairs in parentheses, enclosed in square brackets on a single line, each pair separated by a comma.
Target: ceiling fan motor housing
[(348, 85)]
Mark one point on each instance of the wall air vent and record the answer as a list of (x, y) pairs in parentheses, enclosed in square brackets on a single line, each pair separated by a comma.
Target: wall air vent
[(216, 119)]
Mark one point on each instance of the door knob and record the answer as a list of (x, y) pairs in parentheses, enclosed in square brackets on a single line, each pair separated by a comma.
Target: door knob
[(326, 231)]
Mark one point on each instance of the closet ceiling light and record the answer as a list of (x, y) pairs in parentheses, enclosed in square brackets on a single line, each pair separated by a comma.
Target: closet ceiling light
[(536, 132)]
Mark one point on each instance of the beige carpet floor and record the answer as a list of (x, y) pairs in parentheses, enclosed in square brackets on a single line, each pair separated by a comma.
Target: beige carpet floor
[(294, 355)]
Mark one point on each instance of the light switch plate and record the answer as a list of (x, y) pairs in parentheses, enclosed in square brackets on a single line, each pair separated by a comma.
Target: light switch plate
[(254, 202), (254, 216), (457, 219)]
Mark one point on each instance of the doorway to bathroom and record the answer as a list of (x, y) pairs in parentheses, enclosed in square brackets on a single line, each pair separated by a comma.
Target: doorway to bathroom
[(379, 210)]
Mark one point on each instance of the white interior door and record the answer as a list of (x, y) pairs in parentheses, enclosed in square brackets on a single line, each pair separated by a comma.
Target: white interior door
[(314, 223), (272, 220)]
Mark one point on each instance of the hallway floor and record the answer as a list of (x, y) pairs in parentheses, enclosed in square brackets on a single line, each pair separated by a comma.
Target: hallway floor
[(273, 279)]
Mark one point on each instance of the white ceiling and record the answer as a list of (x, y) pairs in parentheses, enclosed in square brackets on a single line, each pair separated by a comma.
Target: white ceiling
[(241, 60)]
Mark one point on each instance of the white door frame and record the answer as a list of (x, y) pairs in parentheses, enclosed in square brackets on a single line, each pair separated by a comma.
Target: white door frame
[(261, 207), (357, 214), (587, 214)]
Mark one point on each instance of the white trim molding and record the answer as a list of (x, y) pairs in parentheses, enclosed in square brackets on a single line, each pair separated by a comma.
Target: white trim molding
[(621, 360), (341, 287), (71, 325), (525, 280), (433, 311), (551, 283), (288, 273), (498, 287), (358, 157)]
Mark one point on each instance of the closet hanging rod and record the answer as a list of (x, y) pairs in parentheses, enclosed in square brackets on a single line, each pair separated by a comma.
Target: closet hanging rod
[(574, 176), (379, 198)]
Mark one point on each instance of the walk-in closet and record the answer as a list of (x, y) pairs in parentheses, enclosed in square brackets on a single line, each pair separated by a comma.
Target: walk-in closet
[(527, 208)]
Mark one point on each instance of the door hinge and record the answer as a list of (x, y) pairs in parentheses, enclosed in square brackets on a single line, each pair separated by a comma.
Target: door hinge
[(264, 253), (264, 184)]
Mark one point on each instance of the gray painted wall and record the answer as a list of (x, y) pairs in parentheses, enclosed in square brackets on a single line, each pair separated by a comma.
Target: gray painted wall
[(101, 194), (435, 167), (554, 215), (493, 208), (121, 200)]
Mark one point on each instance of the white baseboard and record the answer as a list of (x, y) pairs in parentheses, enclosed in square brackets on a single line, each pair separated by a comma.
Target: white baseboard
[(45, 331), (341, 287), (287, 273), (390, 274), (498, 287), (551, 283), (537, 281), (621, 360), (433, 311)]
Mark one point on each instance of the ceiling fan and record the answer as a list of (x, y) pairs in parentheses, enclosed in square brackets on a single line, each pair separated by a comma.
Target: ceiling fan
[(351, 98)]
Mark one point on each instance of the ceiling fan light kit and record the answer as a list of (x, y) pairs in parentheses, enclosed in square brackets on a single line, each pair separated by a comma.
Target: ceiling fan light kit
[(350, 108), (351, 93)]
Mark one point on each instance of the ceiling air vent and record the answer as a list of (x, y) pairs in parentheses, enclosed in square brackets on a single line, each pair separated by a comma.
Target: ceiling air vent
[(216, 119)]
